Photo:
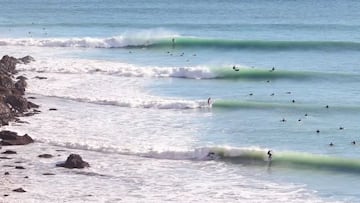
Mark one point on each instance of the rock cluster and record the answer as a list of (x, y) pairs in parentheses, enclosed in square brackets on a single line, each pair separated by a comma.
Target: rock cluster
[(12, 102)]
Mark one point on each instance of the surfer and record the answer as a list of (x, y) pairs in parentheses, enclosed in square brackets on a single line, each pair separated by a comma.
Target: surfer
[(273, 69), (353, 142), (235, 69), (173, 42), (209, 101), (331, 144), (211, 155), (269, 155)]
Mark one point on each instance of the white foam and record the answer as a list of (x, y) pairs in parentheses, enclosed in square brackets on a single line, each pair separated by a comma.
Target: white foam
[(127, 39), (205, 153), (155, 103), (198, 154), (115, 68)]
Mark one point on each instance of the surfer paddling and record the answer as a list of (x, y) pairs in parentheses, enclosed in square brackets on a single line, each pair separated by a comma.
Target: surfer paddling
[(235, 68)]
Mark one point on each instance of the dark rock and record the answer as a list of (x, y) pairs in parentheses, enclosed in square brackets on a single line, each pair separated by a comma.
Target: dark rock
[(19, 190), (21, 77), (32, 105), (20, 121), (8, 166), (74, 161), (31, 97), (5, 91), (20, 85), (6, 173), (5, 114), (11, 138), (6, 82), (52, 109), (19, 167), (5, 195), (29, 114), (26, 177), (45, 156), (4, 157), (9, 152), (40, 77), (17, 103), (8, 64), (48, 174), (26, 59)]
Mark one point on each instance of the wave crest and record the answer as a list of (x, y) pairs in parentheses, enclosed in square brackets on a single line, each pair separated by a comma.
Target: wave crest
[(165, 40)]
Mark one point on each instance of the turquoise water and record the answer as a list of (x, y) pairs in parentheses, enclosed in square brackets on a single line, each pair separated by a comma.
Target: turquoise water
[(313, 47)]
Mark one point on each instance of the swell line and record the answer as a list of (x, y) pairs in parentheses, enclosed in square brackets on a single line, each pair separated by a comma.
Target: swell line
[(246, 156), (244, 104), (189, 42), (168, 41)]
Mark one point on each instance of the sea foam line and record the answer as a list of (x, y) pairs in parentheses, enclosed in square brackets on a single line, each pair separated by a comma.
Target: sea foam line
[(116, 68), (152, 102)]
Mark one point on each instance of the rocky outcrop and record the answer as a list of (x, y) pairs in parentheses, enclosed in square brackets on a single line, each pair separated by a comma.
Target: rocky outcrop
[(12, 102), (74, 161), (12, 138), (26, 59)]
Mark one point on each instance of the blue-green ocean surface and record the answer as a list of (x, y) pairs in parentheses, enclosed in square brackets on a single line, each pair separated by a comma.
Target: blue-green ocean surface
[(187, 97)]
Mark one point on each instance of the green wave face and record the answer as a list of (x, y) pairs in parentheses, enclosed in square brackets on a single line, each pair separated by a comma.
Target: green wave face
[(243, 104), (291, 160), (234, 104), (310, 161), (189, 42), (260, 74)]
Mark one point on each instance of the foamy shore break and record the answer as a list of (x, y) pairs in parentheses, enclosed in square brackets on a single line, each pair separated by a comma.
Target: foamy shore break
[(13, 106)]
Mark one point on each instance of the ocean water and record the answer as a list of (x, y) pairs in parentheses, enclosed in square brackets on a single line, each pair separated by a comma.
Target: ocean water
[(131, 82)]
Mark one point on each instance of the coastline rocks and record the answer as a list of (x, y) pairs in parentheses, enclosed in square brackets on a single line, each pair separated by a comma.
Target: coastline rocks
[(74, 161), (20, 85), (12, 103), (5, 114), (17, 103), (8, 64), (11, 138)]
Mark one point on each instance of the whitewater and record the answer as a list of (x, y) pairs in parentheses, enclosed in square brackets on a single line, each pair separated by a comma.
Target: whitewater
[(183, 101)]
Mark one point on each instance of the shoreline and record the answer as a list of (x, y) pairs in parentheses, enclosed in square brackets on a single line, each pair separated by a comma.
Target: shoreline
[(14, 105)]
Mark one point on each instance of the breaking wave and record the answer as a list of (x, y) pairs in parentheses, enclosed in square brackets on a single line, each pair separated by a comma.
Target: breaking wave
[(165, 40)]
